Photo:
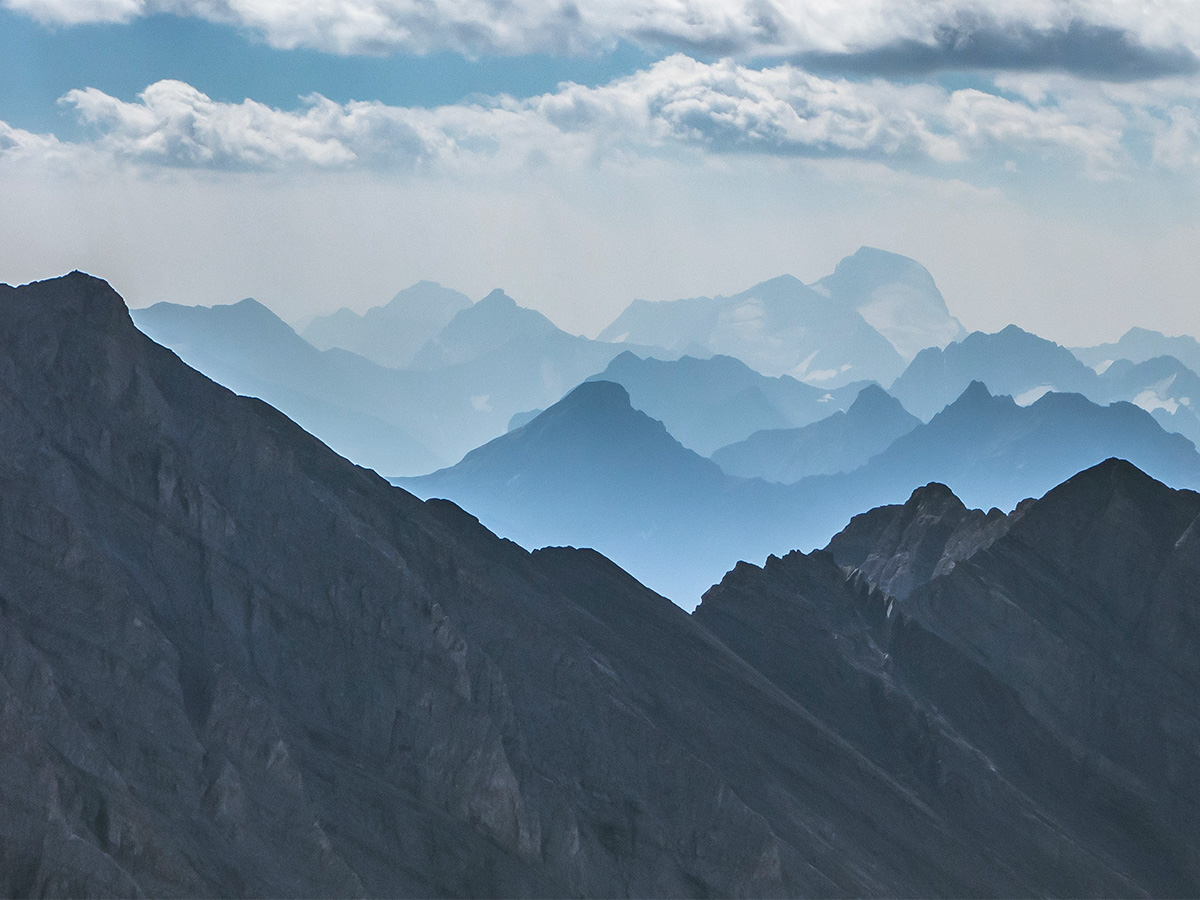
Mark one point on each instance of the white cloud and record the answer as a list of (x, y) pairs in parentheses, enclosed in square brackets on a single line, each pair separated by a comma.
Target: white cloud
[(676, 106), (725, 27)]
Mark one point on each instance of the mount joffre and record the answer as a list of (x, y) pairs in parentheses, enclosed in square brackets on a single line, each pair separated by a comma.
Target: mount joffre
[(236, 664)]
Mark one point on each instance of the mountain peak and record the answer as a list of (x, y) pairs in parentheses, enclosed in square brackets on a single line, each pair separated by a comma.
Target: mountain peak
[(606, 395), (882, 264), (84, 298), (497, 299), (779, 282), (933, 494), (873, 397), (976, 392)]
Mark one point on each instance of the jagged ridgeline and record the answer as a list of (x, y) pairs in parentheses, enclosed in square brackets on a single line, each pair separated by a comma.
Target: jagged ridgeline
[(236, 664)]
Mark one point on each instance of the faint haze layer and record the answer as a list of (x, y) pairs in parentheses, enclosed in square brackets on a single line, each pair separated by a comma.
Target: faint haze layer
[(1040, 155)]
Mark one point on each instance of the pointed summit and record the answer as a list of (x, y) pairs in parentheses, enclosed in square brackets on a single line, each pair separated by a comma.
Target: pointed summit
[(497, 299), (897, 548), (873, 399)]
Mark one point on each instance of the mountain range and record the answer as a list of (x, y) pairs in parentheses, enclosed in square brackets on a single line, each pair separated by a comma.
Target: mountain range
[(707, 403), (363, 410), (824, 334), (1140, 344), (840, 442), (593, 471), (492, 360), (235, 663), (391, 334), (1012, 361)]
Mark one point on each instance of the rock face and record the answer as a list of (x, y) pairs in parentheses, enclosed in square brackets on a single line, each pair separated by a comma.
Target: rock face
[(895, 548), (235, 664), (1039, 693)]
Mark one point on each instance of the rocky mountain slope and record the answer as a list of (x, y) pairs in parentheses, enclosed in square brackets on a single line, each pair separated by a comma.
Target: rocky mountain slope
[(236, 664), (1036, 685)]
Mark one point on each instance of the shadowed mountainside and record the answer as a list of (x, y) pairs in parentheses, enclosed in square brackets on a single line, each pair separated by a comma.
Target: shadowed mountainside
[(1038, 689)]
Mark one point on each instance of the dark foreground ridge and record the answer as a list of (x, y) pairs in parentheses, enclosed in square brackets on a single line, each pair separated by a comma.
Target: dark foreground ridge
[(235, 664)]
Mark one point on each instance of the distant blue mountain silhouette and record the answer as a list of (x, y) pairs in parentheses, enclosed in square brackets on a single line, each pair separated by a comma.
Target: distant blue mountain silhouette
[(1140, 344), (839, 443), (1011, 361), (707, 403), (593, 471), (390, 334), (493, 360), (360, 409)]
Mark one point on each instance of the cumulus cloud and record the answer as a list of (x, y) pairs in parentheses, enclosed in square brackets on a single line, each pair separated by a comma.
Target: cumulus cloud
[(1100, 38), (678, 107)]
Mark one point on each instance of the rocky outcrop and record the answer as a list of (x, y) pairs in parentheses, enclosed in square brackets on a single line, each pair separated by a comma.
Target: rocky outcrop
[(1032, 679), (895, 548)]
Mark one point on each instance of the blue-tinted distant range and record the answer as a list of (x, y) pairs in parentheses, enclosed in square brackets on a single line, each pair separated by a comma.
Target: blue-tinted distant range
[(552, 438)]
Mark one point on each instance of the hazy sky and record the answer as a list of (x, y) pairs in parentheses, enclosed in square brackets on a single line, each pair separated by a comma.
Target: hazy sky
[(1040, 157)]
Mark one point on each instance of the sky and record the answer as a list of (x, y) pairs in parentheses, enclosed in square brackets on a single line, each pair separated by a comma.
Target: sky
[(1040, 157)]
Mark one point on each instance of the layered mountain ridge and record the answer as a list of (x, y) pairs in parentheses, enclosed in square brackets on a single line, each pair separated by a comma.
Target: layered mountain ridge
[(593, 471), (235, 663)]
